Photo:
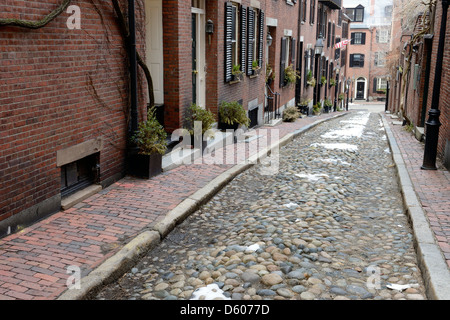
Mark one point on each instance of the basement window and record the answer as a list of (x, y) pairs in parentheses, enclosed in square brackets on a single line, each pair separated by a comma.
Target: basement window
[(79, 174)]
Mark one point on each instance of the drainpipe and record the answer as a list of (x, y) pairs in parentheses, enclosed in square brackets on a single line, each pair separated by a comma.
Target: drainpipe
[(298, 82), (432, 133), (133, 126)]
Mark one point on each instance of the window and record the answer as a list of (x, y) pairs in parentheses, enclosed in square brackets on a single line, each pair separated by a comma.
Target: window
[(356, 14), (379, 84), (340, 18), (382, 36), (312, 9), (304, 10), (79, 174), (388, 11), (344, 30), (356, 60), (337, 51), (287, 56), (244, 33), (380, 59), (358, 38)]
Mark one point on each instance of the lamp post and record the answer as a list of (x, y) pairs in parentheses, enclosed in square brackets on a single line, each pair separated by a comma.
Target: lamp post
[(432, 133), (348, 92), (318, 49), (336, 88)]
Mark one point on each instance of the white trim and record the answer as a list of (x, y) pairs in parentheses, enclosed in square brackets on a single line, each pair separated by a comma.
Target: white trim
[(271, 22), (197, 10), (287, 32)]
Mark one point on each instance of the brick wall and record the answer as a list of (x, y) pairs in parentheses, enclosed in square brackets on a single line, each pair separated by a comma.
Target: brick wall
[(444, 100), (58, 88)]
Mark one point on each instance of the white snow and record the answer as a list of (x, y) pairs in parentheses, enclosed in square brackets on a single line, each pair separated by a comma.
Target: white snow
[(210, 292), (252, 248), (341, 146), (291, 205), (310, 176), (336, 161), (387, 150)]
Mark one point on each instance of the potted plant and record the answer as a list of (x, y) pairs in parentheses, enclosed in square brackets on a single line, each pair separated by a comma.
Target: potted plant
[(207, 119), (310, 80), (317, 108), (323, 80), (290, 75), (328, 105), (231, 115), (270, 74), (255, 67), (303, 105), (151, 143), (236, 72), (291, 114), (332, 82)]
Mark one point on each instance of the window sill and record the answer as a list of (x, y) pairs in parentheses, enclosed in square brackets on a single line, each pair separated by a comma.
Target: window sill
[(234, 81)]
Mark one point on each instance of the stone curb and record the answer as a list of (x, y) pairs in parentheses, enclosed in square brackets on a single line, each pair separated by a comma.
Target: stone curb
[(431, 262), (128, 256)]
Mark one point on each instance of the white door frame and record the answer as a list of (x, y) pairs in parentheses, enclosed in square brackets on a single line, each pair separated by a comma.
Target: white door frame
[(365, 87), (200, 53), (154, 46)]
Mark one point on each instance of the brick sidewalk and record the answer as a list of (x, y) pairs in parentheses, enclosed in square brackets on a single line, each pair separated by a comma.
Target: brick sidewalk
[(34, 261), (432, 187)]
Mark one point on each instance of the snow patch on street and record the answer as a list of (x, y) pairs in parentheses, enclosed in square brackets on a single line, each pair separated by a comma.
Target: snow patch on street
[(340, 146), (310, 176), (210, 292)]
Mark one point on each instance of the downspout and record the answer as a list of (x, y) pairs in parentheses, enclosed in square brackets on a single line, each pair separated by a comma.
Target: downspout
[(428, 44), (298, 83), (133, 125)]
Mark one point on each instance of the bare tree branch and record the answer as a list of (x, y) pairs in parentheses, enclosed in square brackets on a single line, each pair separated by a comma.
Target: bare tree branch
[(36, 24)]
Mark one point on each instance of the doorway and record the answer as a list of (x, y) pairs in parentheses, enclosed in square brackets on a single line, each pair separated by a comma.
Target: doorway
[(154, 47), (360, 89), (198, 53)]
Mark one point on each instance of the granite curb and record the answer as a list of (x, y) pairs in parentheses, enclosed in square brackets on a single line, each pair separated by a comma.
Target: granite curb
[(128, 255), (434, 269)]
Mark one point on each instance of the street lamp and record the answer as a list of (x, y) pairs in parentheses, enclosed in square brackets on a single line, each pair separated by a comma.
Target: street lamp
[(432, 133), (269, 39), (336, 87), (318, 48), (349, 81)]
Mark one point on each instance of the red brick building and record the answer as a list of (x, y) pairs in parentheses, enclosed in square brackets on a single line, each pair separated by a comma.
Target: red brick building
[(415, 72), (64, 88), (63, 105)]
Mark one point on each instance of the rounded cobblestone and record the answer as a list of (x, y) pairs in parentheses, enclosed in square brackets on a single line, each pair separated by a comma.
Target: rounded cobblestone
[(329, 225)]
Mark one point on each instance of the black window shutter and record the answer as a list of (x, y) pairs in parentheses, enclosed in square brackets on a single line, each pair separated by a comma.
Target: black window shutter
[(351, 60), (228, 41), (283, 61), (352, 36), (261, 41), (361, 60), (332, 35), (293, 52), (363, 38), (243, 38), (251, 39), (374, 85), (329, 35)]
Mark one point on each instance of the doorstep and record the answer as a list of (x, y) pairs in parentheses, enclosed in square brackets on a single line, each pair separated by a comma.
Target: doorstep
[(79, 196), (179, 156)]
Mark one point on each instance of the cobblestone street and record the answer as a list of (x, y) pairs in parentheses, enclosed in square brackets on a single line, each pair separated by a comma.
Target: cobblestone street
[(329, 225)]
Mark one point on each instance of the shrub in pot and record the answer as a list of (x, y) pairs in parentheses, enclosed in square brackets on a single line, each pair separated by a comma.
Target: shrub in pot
[(231, 115), (291, 114), (206, 119), (151, 143)]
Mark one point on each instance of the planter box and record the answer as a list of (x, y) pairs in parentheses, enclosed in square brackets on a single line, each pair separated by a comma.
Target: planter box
[(145, 166), (225, 126), (194, 144)]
